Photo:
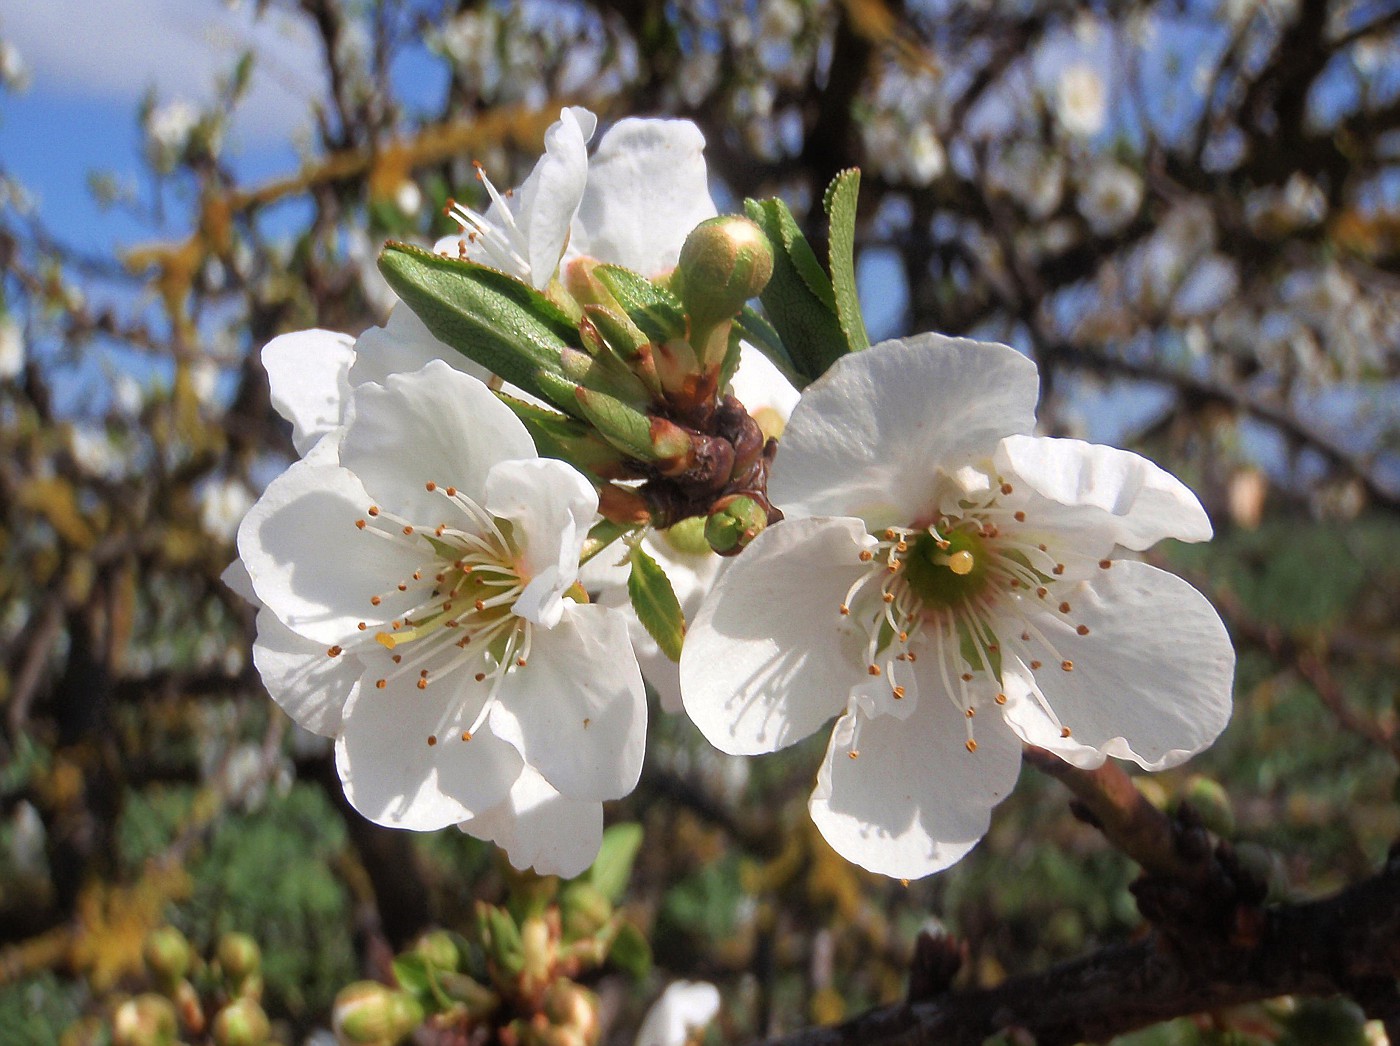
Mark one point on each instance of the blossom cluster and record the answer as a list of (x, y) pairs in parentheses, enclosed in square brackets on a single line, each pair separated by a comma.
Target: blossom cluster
[(905, 556)]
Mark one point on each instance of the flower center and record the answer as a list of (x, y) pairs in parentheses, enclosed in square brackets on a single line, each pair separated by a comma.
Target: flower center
[(944, 571), (455, 609)]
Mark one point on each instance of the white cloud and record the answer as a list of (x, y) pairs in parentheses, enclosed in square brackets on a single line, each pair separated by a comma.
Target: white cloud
[(118, 49)]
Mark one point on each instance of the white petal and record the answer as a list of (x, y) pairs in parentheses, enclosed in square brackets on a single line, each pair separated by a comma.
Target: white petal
[(915, 800), (684, 1007), (396, 778), (434, 424), (402, 345), (549, 198), (1151, 680), (769, 658), (634, 216), (235, 576), (763, 389), (307, 372), (870, 437), (1142, 503), (308, 561), (309, 685), (577, 711), (551, 506), (540, 829)]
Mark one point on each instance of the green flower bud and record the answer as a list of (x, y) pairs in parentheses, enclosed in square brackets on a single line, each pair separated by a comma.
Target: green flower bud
[(168, 954), (537, 950), (368, 1013), (241, 1023), (725, 262), (585, 910), (1212, 802), (687, 537), (572, 1008), (239, 956), (439, 950), (734, 522), (147, 1020)]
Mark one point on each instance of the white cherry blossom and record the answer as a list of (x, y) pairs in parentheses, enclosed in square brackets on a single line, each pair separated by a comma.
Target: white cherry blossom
[(415, 572), (684, 1009), (947, 585)]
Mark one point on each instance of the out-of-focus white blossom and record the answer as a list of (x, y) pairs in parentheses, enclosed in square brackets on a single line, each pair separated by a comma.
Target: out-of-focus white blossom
[(1111, 197), (685, 1007), (222, 506), (1031, 177), (1080, 101), (14, 74), (12, 350)]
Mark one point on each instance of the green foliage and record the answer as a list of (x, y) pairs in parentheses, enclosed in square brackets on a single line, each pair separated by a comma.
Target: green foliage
[(840, 204), (34, 1011), (655, 602)]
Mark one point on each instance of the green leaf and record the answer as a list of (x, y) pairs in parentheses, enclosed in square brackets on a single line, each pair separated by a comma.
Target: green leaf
[(414, 976), (630, 952), (613, 866), (493, 319), (567, 439), (799, 299), (627, 429), (602, 534), (655, 602), (840, 204), (654, 309), (758, 332)]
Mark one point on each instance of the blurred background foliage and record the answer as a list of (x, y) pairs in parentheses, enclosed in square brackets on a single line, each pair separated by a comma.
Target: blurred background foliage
[(1188, 212)]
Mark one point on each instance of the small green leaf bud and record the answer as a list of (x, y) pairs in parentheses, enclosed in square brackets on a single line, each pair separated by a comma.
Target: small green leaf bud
[(733, 522), (1211, 802), (725, 261), (439, 950), (168, 954), (537, 950), (147, 1020), (368, 1013), (479, 1000), (585, 910), (571, 1007), (239, 956), (241, 1023), (502, 940)]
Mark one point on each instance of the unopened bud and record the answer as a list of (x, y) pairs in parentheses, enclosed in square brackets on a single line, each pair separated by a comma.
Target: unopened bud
[(241, 1023), (733, 523), (687, 537), (1211, 802), (368, 1013), (439, 950), (479, 1000), (502, 939), (725, 262), (147, 1020), (585, 909), (571, 1007), (168, 954), (239, 956), (537, 949), (671, 445)]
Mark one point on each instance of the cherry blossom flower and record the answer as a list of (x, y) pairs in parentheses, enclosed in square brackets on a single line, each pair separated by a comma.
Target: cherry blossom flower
[(947, 585), (685, 1007), (416, 570)]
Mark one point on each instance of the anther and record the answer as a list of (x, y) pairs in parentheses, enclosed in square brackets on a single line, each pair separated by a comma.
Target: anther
[(1020, 517), (403, 586), (408, 528), (1064, 731), (898, 692), (1059, 569), (360, 523), (1068, 666), (874, 670), (845, 610), (970, 712), (1042, 592), (374, 601), (1035, 665), (519, 662), (967, 677), (480, 604), (853, 754), (362, 626), (889, 534), (970, 745), (333, 652), (374, 510), (1064, 608), (380, 684), (466, 735), (1083, 630), (422, 684), (888, 597), (1001, 699), (1043, 548), (1025, 637), (866, 555), (432, 740), (1104, 564), (397, 659), (430, 486), (1006, 488), (451, 492), (439, 530), (479, 676)]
